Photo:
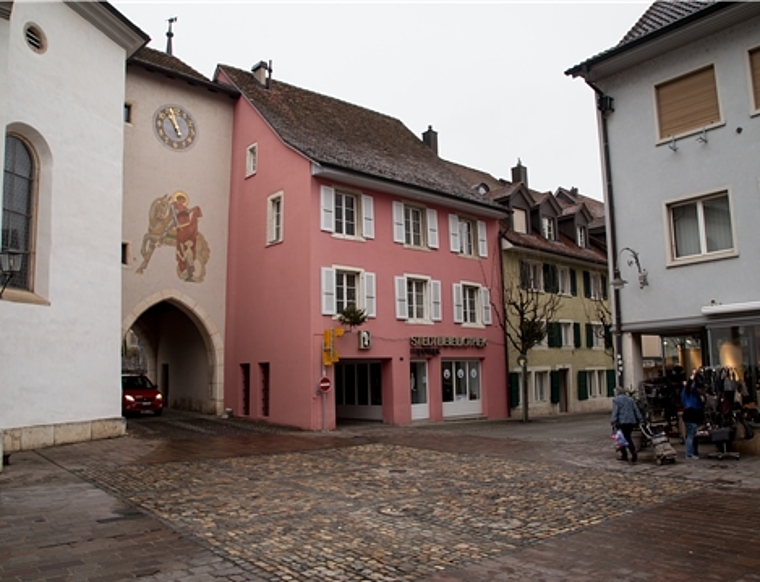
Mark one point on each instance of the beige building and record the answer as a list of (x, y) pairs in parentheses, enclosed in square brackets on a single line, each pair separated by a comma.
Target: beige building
[(178, 128)]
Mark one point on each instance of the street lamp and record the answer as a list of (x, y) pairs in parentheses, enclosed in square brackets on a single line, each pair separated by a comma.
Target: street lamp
[(618, 282), (10, 264), (522, 361)]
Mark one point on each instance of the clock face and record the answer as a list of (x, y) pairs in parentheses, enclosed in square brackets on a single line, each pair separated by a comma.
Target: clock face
[(175, 127)]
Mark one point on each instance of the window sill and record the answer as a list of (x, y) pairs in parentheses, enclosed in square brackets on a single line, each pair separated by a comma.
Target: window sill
[(19, 296), (417, 248), (349, 237), (272, 243), (670, 139), (420, 322), (473, 325), (691, 260)]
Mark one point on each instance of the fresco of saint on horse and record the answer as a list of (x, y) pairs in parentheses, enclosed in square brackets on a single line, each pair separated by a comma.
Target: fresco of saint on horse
[(172, 222)]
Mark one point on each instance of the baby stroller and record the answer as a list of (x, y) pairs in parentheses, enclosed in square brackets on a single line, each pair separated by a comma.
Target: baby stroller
[(663, 450)]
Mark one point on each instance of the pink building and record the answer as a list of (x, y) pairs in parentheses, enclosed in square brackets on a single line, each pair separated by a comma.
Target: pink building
[(331, 206)]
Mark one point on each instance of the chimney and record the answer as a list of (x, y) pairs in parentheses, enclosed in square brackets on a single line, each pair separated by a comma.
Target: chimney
[(170, 36), (430, 139), (520, 173), (262, 73)]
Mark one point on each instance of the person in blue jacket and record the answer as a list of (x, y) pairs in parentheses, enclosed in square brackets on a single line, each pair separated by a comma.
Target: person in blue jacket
[(693, 414), (626, 416)]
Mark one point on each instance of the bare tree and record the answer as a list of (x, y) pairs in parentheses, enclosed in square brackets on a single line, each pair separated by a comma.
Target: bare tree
[(598, 309), (527, 316)]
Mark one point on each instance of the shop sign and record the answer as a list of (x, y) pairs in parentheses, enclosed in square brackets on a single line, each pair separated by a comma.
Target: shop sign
[(431, 344)]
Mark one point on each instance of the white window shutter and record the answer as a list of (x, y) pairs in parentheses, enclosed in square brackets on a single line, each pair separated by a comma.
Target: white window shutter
[(327, 202), (368, 216), (398, 222), (401, 309), (454, 243), (485, 297), (482, 240), (435, 301), (458, 304), (432, 228), (328, 291), (370, 303)]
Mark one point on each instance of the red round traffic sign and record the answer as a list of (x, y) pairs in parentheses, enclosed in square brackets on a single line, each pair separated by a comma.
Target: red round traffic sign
[(325, 384)]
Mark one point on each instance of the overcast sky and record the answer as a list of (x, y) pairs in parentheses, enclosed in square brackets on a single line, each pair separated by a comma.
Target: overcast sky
[(489, 78)]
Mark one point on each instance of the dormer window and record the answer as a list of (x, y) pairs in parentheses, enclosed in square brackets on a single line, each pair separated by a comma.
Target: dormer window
[(580, 237), (519, 220), (483, 189), (547, 228)]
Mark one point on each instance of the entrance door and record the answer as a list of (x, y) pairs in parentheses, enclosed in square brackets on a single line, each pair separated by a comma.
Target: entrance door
[(359, 390), (563, 374), (418, 384), (460, 384)]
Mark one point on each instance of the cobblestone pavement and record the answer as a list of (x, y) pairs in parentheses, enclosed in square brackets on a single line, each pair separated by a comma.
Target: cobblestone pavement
[(438, 503)]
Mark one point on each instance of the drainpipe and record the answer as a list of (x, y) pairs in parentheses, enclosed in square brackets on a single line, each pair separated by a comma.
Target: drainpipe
[(604, 104), (504, 315)]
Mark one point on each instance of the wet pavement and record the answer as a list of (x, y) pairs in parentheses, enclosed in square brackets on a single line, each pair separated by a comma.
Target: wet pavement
[(185, 497)]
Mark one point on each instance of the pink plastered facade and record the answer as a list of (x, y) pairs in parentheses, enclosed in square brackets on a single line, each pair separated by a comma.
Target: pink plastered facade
[(304, 242)]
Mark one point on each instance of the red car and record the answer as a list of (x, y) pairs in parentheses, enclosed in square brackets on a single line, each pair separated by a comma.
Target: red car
[(139, 395)]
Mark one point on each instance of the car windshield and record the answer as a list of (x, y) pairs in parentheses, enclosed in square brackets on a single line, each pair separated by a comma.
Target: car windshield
[(136, 383)]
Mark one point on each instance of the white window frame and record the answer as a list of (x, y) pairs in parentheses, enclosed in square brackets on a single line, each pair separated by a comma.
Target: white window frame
[(520, 220), (431, 301), (472, 304), (564, 281), (402, 228), (580, 236), (275, 218), (595, 283), (364, 218), (535, 280), (366, 292), (548, 228), (597, 332), (596, 381), (539, 390), (251, 159), (567, 333), (703, 255), (468, 237)]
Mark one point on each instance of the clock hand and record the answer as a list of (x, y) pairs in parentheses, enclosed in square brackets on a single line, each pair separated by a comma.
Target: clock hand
[(173, 119)]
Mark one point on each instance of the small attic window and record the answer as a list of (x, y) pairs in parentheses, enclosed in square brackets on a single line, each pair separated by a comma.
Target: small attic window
[(519, 220), (483, 189), (35, 38)]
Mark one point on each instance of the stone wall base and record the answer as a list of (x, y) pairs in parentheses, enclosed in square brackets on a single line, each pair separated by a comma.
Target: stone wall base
[(13, 440)]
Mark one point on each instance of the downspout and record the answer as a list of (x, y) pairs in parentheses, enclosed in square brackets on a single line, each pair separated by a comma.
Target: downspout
[(504, 315), (604, 104)]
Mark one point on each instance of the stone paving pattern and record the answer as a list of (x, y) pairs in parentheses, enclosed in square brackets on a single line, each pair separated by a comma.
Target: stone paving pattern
[(377, 512), (194, 499)]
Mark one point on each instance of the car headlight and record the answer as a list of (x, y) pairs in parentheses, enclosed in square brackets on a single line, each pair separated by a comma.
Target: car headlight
[(129, 398), (159, 397)]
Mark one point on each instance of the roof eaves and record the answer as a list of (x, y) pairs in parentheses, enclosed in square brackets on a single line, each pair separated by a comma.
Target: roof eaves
[(186, 77), (582, 69)]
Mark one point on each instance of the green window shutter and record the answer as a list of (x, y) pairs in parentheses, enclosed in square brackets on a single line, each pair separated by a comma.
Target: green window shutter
[(604, 287), (524, 276), (586, 284), (547, 278), (577, 334), (610, 382), (589, 335), (554, 378), (514, 389), (608, 336), (582, 386), (554, 334), (573, 283)]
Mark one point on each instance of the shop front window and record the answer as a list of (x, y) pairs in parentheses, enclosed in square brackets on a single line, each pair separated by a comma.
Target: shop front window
[(461, 380)]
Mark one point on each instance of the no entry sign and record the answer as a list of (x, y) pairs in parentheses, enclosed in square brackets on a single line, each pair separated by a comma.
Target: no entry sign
[(325, 384)]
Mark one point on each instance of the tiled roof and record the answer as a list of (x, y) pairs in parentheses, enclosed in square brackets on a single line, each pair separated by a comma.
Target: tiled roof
[(339, 134), (661, 14), (565, 246), (661, 17), (166, 63)]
